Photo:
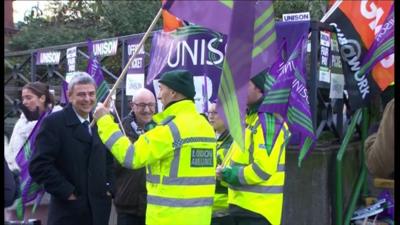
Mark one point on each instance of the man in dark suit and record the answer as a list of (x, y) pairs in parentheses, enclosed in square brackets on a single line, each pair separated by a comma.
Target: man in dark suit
[(71, 161)]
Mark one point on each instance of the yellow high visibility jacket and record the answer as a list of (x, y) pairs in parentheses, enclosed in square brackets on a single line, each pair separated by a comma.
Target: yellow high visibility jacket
[(220, 207), (179, 154), (261, 168)]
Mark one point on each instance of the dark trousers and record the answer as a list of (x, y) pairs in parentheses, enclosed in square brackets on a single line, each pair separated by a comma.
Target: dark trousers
[(129, 219), (224, 220), (241, 220)]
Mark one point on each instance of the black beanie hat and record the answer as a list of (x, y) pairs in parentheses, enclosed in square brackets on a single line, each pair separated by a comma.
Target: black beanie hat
[(259, 80), (180, 81)]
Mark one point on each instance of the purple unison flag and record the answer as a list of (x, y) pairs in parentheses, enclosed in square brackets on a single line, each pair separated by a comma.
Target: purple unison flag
[(94, 70), (215, 15), (236, 71), (264, 40), (290, 32), (29, 189), (251, 47), (193, 48), (382, 46), (205, 94), (288, 96), (64, 96)]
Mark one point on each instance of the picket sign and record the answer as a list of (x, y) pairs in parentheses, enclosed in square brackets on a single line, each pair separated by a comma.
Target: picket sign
[(123, 73)]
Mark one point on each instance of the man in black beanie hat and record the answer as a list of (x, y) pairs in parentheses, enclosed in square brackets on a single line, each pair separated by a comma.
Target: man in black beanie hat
[(180, 81), (179, 153), (256, 174), (176, 85), (259, 80)]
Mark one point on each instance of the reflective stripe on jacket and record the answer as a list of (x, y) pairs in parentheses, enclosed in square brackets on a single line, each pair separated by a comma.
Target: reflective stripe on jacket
[(261, 172), (220, 207), (179, 154)]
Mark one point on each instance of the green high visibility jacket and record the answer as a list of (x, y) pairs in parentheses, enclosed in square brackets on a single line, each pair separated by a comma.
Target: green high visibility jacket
[(179, 154), (220, 207), (261, 168)]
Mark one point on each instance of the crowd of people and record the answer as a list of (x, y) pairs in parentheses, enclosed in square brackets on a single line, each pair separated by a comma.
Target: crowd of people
[(175, 166)]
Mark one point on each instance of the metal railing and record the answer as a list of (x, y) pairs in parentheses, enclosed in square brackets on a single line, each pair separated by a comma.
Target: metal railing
[(26, 70), (360, 186), (316, 100)]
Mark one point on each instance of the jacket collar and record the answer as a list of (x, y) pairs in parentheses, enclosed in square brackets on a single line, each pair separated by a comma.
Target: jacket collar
[(223, 135), (71, 117), (253, 108), (174, 109)]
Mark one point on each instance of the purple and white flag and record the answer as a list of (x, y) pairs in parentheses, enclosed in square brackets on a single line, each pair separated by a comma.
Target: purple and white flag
[(288, 96), (382, 46), (64, 93), (94, 70), (29, 189), (251, 47), (193, 48)]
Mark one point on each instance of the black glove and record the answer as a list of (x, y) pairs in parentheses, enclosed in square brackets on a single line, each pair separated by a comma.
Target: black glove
[(30, 116)]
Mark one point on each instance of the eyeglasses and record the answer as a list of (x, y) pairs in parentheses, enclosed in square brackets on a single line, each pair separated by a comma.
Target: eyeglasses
[(212, 113), (143, 105)]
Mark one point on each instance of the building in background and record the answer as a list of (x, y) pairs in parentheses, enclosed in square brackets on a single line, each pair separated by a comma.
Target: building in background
[(9, 28)]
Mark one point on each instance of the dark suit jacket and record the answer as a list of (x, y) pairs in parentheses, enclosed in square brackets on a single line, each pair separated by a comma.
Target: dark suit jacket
[(68, 160), (130, 184), (10, 189)]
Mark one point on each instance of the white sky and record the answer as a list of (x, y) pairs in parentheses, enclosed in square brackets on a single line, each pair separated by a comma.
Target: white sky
[(20, 7)]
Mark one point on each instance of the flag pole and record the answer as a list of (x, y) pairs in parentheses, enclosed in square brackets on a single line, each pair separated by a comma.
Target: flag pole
[(123, 73), (119, 119)]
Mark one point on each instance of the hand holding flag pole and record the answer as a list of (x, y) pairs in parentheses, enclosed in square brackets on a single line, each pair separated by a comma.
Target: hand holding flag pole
[(124, 71)]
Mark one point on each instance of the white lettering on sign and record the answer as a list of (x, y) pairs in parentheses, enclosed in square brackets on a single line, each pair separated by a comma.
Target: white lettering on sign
[(50, 57), (325, 38), (388, 61), (351, 51), (303, 16), (301, 89), (286, 67), (324, 55), (370, 11), (184, 49), (105, 48), (385, 28), (373, 13), (71, 52), (132, 48), (71, 64), (298, 86), (134, 81), (137, 63), (71, 58)]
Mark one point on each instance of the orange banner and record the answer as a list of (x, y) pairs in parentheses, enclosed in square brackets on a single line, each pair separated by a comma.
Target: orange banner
[(367, 18), (170, 22)]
